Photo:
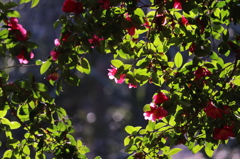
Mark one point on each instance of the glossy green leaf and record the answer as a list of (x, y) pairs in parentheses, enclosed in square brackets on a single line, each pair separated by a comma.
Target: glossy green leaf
[(174, 151), (45, 67), (34, 3), (178, 60)]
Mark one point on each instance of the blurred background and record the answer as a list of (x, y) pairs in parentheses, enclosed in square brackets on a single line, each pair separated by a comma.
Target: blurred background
[(99, 108)]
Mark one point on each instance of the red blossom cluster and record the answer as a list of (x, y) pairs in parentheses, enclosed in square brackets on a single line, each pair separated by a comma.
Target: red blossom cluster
[(54, 53), (121, 79), (201, 72), (95, 41), (23, 53), (105, 4), (156, 112), (72, 6), (215, 112), (131, 29), (17, 29), (54, 76), (223, 133), (18, 33)]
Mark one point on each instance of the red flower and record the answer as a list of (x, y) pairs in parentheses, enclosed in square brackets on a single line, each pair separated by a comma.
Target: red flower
[(192, 48), (213, 111), (95, 40), (160, 20), (112, 73), (130, 85), (105, 4), (131, 30), (17, 29), (54, 76), (160, 98), (184, 21), (146, 24), (201, 25), (177, 4), (54, 55), (72, 6), (155, 113), (224, 133), (201, 72), (21, 56)]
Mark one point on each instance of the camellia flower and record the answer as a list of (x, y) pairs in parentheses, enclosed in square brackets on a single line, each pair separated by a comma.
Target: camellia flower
[(177, 4), (201, 25), (54, 76), (224, 133), (160, 20), (17, 29), (131, 30), (72, 6), (160, 98), (21, 56), (105, 4), (112, 73), (95, 40), (213, 111), (201, 72), (184, 21), (155, 113), (54, 53), (130, 85), (192, 48)]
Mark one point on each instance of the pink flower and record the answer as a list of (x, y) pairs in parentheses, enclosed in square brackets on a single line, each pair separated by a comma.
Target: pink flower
[(21, 56), (111, 75), (184, 21), (177, 4), (57, 42), (224, 133), (130, 85), (54, 55), (17, 29), (155, 113), (95, 40), (72, 6), (105, 4), (160, 98), (201, 72), (213, 111), (54, 76)]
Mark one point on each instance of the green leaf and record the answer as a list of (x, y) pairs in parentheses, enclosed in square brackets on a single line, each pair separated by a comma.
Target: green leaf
[(197, 148), (139, 12), (45, 66), (178, 59), (98, 157), (84, 66), (117, 63), (236, 80), (129, 129), (174, 151), (13, 13), (4, 33), (14, 125), (34, 3), (41, 87), (208, 149)]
